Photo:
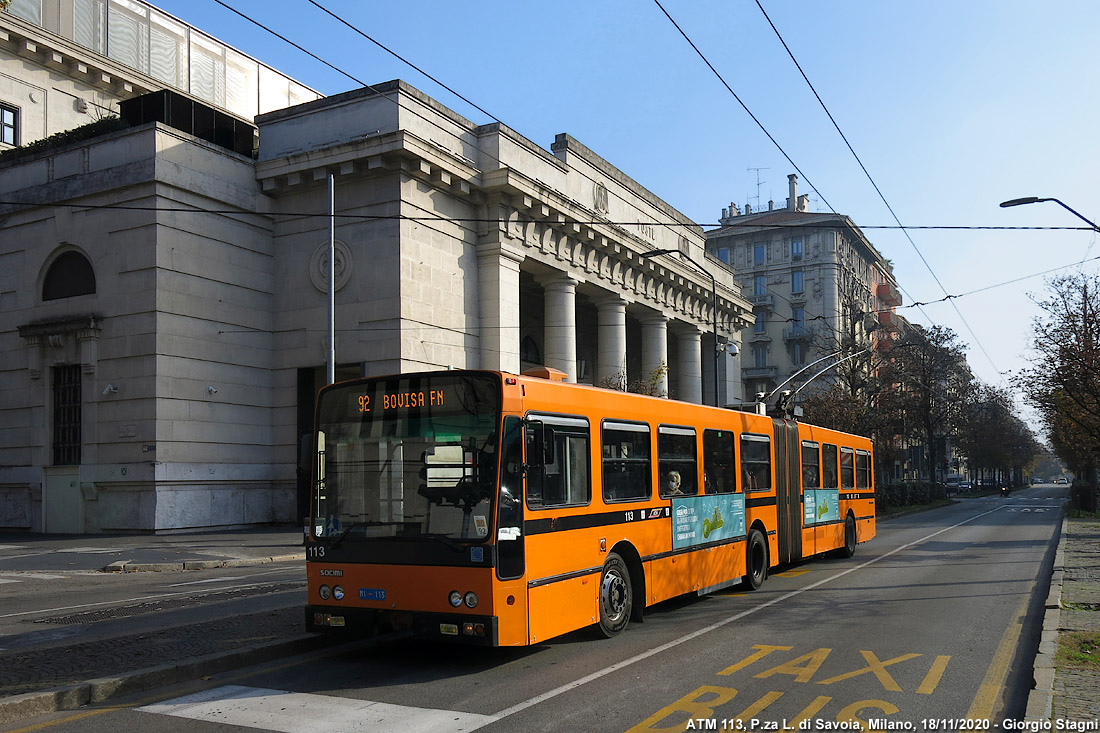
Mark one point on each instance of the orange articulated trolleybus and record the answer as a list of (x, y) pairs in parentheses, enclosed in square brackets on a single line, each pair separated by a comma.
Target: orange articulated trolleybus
[(497, 509)]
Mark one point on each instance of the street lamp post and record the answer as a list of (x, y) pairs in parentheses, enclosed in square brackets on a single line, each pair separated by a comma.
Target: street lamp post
[(1037, 200), (713, 304)]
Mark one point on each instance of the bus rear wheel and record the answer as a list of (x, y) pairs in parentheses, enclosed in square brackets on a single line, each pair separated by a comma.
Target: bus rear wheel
[(757, 555), (616, 596), (850, 540)]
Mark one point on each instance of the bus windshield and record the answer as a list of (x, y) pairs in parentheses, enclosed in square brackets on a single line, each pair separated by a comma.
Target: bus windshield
[(406, 457)]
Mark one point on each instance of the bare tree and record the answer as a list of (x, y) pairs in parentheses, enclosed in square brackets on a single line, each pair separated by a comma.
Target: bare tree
[(1063, 381), (930, 377)]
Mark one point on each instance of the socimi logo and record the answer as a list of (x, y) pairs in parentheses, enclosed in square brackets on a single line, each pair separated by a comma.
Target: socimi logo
[(332, 573)]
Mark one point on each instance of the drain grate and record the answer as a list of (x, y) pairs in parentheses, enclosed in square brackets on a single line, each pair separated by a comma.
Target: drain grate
[(168, 604)]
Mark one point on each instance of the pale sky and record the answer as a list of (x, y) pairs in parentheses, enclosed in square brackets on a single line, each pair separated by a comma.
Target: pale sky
[(953, 107)]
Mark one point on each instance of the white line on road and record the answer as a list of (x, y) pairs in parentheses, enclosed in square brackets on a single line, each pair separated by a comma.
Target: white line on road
[(224, 580), (604, 673)]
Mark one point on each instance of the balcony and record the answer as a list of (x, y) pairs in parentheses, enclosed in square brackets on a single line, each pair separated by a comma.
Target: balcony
[(888, 321), (765, 372), (798, 332), (888, 294), (763, 301)]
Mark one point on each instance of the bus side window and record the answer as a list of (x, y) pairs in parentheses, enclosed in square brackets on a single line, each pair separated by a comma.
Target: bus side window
[(626, 461), (719, 472), (756, 463), (676, 461), (847, 468), (828, 467), (811, 466), (557, 462), (863, 469)]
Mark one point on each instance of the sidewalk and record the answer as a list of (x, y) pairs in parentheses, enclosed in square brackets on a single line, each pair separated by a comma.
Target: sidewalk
[(1064, 692), (150, 553)]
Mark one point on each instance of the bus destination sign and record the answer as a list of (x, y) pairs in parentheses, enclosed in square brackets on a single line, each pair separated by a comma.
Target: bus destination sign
[(403, 400)]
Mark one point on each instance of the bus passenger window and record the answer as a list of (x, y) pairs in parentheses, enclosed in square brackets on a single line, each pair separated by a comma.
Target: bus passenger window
[(626, 460), (756, 466), (719, 474), (557, 462), (863, 469), (676, 461), (828, 467), (847, 468), (811, 466)]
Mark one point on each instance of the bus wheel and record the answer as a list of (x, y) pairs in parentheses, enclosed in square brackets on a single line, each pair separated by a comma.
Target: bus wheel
[(757, 550), (616, 596), (850, 542)]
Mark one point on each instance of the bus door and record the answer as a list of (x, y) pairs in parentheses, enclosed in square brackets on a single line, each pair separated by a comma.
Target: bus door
[(788, 491)]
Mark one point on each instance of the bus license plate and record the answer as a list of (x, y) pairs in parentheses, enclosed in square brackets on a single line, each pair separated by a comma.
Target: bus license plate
[(372, 594)]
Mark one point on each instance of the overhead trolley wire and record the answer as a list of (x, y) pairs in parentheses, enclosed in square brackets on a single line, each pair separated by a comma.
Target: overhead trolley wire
[(890, 208)]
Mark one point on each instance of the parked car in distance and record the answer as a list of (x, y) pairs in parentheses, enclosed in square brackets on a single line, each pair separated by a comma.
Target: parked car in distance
[(965, 486)]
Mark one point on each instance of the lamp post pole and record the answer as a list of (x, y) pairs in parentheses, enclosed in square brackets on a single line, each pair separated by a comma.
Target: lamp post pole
[(713, 305)]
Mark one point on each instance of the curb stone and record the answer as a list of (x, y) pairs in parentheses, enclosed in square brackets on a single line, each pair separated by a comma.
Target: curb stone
[(1040, 702), (128, 566)]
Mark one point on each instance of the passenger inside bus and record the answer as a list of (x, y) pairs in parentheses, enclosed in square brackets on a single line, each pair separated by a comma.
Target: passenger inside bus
[(672, 484)]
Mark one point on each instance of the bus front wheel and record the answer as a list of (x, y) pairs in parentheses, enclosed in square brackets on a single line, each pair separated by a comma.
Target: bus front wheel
[(850, 539), (757, 552), (616, 596)]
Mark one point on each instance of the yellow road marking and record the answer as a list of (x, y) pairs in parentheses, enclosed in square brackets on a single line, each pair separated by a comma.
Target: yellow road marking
[(876, 666), (935, 674), (990, 689)]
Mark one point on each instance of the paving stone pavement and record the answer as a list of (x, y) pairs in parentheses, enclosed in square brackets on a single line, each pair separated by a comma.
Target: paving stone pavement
[(1077, 691), (41, 669)]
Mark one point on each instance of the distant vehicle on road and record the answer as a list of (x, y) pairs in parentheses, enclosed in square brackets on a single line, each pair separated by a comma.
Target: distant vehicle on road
[(965, 486), (1062, 481)]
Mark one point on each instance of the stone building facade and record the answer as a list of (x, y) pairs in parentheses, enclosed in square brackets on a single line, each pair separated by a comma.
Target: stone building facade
[(163, 300), (812, 278), (64, 63)]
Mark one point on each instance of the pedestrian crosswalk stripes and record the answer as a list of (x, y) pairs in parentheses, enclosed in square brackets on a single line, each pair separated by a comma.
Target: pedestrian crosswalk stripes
[(297, 712)]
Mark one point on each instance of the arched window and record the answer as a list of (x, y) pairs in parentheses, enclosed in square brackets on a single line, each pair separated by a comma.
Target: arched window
[(70, 274)]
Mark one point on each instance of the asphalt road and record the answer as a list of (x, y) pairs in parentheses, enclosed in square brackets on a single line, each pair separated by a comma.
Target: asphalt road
[(935, 620)]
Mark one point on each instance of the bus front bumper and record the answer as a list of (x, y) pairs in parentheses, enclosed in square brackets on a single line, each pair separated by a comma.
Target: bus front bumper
[(461, 628)]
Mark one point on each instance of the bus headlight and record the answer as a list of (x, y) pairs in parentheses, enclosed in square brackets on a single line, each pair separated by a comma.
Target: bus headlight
[(471, 599), (324, 591), (338, 593), (455, 598)]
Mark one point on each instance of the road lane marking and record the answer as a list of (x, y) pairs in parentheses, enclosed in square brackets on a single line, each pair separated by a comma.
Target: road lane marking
[(988, 691), (935, 674), (875, 666), (611, 669), (296, 712)]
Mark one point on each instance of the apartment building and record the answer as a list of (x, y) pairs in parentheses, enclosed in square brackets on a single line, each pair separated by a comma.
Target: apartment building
[(813, 278)]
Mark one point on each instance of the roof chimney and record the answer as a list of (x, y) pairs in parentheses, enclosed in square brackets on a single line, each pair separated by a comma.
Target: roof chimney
[(792, 200)]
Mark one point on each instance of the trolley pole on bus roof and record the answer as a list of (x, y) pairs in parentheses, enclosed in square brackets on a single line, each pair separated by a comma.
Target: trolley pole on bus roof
[(331, 279), (718, 349)]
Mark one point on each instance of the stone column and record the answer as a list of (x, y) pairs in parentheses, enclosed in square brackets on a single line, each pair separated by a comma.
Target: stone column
[(611, 350), (560, 324), (498, 304), (655, 351), (689, 368)]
